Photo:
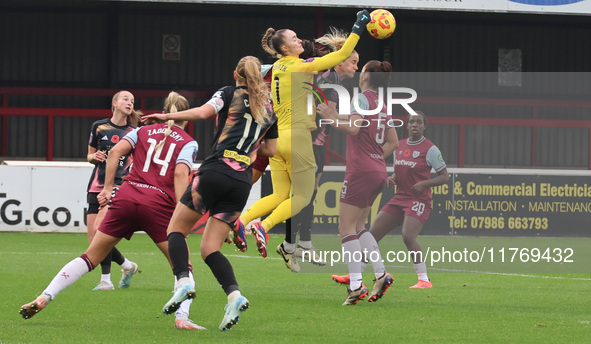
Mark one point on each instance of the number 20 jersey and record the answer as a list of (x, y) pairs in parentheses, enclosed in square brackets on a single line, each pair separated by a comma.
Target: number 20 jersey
[(413, 163), (155, 170)]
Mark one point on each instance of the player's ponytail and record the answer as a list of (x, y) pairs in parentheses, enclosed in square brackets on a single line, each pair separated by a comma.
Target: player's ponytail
[(173, 103), (272, 41), (134, 118), (249, 68)]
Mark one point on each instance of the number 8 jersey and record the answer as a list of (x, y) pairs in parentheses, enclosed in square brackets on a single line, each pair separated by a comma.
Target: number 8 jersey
[(155, 169)]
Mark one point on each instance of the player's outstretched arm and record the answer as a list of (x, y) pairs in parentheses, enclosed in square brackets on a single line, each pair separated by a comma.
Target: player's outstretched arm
[(330, 60), (195, 114)]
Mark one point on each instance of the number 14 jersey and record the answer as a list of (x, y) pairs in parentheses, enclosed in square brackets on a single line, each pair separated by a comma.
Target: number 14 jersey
[(155, 169)]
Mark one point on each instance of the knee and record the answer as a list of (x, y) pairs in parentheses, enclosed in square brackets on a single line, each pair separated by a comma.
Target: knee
[(409, 240), (282, 194), (205, 250)]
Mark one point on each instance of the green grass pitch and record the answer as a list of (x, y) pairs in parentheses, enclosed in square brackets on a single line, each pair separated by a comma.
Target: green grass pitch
[(486, 305)]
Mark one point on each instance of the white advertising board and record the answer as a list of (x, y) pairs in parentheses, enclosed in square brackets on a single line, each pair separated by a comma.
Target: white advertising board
[(43, 199), (51, 197)]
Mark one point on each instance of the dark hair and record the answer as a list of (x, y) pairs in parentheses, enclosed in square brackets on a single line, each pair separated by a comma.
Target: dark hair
[(309, 49), (272, 41), (380, 72), (420, 113)]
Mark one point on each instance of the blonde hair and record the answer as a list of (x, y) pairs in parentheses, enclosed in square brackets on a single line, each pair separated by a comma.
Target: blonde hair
[(334, 40), (249, 68), (134, 117), (173, 103)]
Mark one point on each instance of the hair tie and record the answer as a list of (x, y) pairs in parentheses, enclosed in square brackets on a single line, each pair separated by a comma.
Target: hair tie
[(240, 76)]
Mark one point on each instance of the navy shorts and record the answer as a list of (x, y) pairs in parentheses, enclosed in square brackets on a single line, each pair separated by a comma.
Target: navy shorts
[(92, 203), (224, 197)]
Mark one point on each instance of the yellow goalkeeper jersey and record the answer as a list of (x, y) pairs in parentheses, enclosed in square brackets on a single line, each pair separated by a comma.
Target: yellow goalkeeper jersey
[(289, 91)]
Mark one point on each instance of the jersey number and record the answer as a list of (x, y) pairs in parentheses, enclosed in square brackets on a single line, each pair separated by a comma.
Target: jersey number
[(381, 128), (344, 189), (418, 207), (276, 79), (163, 162), (246, 133)]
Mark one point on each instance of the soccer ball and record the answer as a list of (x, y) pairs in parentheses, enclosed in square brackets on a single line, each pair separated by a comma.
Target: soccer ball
[(382, 24)]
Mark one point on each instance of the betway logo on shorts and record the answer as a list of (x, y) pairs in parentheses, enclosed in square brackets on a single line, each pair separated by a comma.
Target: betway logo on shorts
[(345, 99)]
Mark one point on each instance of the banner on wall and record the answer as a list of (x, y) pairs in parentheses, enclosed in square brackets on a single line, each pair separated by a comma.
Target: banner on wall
[(488, 202), (550, 6), (535, 6), (474, 203)]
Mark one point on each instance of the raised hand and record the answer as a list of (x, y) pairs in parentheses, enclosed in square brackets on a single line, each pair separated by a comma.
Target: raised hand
[(363, 18)]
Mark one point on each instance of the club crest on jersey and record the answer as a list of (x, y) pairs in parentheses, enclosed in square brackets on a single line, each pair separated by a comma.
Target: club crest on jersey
[(415, 154)]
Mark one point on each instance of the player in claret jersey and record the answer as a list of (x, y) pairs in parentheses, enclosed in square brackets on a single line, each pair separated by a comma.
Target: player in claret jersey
[(411, 205), (223, 182), (163, 155), (369, 139)]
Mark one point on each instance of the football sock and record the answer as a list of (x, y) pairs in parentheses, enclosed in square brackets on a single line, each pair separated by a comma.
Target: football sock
[(421, 269), (305, 244), (351, 256), (179, 254), (368, 243), (117, 257), (106, 278), (182, 281), (126, 264), (222, 270), (69, 274), (290, 232), (306, 219), (106, 264), (233, 295), (288, 247), (46, 297), (183, 311)]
